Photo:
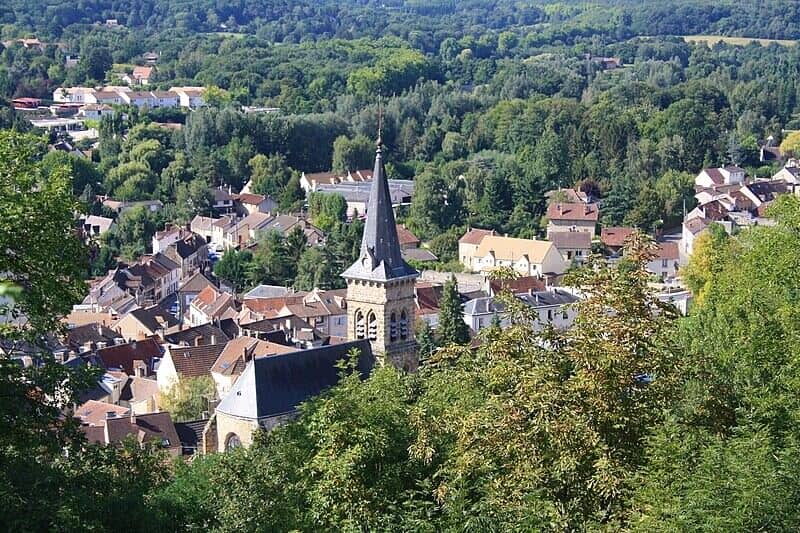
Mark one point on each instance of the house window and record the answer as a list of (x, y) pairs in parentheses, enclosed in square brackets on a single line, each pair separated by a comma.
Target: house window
[(664, 263), (550, 314)]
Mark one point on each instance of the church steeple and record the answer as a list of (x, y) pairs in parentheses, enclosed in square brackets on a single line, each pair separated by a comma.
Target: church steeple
[(380, 258), (380, 284)]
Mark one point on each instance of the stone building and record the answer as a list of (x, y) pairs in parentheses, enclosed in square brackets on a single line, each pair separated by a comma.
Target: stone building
[(380, 284)]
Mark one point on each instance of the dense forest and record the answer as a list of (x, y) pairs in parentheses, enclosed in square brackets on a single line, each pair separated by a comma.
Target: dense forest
[(486, 105)]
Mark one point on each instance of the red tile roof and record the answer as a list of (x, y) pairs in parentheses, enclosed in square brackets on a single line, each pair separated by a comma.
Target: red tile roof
[(578, 212), (406, 237), (668, 250), (614, 237), (123, 355), (475, 236), (519, 285)]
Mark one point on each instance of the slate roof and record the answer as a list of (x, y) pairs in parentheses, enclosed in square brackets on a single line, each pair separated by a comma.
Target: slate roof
[(152, 318), (188, 246), (276, 385), (91, 334), (552, 298), (266, 291), (151, 427), (195, 361), (238, 352), (419, 254), (380, 258), (571, 240), (189, 336), (191, 435), (123, 355)]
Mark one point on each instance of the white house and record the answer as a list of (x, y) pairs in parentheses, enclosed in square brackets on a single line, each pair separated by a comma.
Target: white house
[(526, 256), (165, 99), (191, 97), (553, 307), (667, 262), (139, 99), (715, 177)]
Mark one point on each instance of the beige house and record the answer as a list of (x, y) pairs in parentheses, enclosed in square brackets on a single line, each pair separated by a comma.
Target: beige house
[(469, 242), (526, 256), (571, 217)]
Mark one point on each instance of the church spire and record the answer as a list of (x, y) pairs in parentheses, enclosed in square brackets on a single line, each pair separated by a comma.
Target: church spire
[(380, 258)]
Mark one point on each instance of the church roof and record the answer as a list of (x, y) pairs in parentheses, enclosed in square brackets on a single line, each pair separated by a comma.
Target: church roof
[(277, 384), (381, 258)]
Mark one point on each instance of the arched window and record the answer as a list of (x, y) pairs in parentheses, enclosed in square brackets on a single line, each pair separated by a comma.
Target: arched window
[(372, 326), (232, 442), (361, 331), (403, 325), (393, 327)]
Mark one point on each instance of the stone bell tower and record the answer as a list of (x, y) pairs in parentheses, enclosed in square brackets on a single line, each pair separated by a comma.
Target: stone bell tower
[(380, 284)]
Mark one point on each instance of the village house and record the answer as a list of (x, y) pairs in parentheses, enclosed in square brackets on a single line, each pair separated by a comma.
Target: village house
[(144, 323), (613, 239), (247, 203), (310, 182), (191, 97), (155, 428), (574, 246), (234, 358), (571, 217), (526, 256), (325, 311), (667, 261), (165, 99), (211, 305), (91, 337), (94, 226), (188, 291), (469, 242), (190, 252), (186, 362), (202, 334), (554, 307), (138, 99), (715, 177), (136, 358), (104, 97), (95, 111), (139, 76)]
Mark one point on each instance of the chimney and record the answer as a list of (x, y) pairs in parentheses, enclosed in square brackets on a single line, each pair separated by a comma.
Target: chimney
[(100, 329), (213, 339), (133, 417), (560, 209)]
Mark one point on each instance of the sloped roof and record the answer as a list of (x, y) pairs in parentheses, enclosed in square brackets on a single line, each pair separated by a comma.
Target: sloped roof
[(615, 236), (668, 250), (509, 248), (195, 361), (93, 412), (571, 239), (405, 236), (475, 236), (91, 333), (123, 355), (275, 385), (196, 283), (238, 352), (518, 285), (151, 427), (154, 318), (579, 212), (189, 336)]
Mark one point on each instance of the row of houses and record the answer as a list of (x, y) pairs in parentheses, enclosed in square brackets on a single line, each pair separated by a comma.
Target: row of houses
[(187, 97), (726, 196)]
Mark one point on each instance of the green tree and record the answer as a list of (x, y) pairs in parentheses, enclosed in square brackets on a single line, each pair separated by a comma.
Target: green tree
[(354, 154), (193, 198), (451, 329), (234, 267), (327, 210), (96, 61), (83, 172), (426, 343), (189, 398), (269, 174), (292, 197)]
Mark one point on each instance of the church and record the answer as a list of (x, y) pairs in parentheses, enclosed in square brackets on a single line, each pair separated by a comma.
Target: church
[(380, 315)]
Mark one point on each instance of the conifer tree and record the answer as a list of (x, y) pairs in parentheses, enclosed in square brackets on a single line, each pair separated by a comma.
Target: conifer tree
[(452, 328)]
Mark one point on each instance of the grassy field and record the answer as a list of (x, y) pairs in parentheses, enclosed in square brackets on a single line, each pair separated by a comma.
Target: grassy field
[(711, 40)]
